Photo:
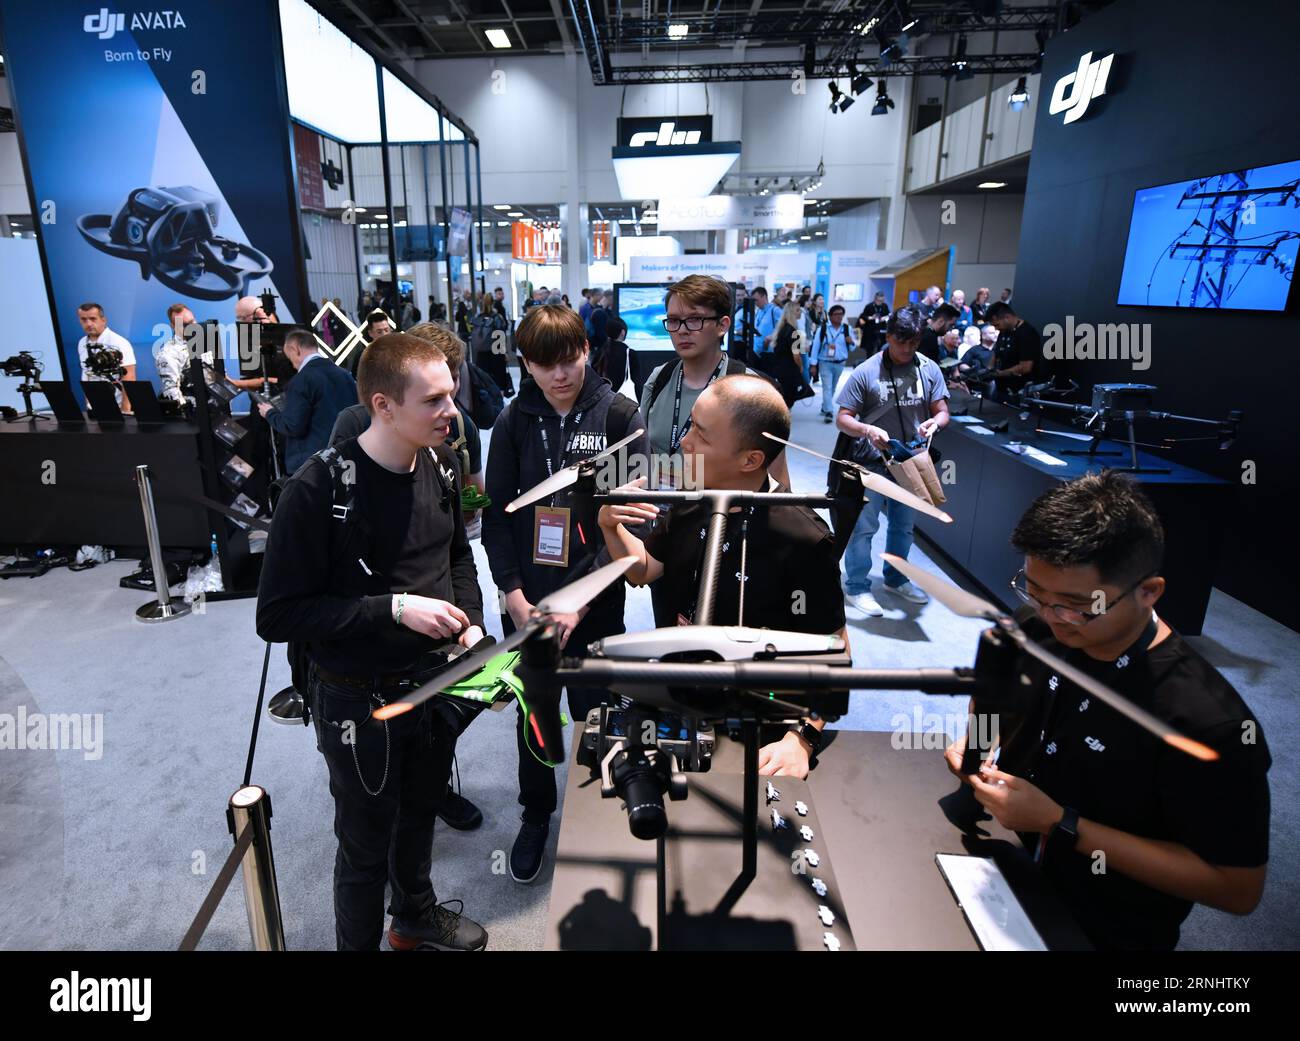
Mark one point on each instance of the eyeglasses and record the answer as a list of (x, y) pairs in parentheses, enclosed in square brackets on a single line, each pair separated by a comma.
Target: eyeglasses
[(693, 324), (1068, 615)]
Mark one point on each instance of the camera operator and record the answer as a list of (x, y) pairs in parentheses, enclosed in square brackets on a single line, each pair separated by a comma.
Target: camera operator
[(305, 413), (782, 557), (565, 413), (1078, 781), (100, 338), (377, 596)]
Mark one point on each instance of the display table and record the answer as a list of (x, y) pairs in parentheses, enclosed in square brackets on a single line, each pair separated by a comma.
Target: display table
[(89, 493), (992, 488), (877, 820)]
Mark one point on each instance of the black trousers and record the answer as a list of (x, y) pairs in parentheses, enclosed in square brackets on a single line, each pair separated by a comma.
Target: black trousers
[(538, 794), (388, 780)]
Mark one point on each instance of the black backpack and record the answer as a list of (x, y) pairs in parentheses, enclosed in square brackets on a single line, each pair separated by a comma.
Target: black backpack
[(486, 399)]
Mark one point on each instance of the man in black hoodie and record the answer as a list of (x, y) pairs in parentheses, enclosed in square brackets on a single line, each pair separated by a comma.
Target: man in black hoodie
[(566, 413)]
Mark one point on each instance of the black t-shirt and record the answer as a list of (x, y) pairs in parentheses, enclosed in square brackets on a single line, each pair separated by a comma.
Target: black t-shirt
[(790, 552), (1086, 755), (331, 585), (929, 345), (1021, 344)]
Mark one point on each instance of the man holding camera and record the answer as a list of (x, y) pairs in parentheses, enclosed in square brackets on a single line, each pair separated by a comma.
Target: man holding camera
[(369, 568), (93, 350)]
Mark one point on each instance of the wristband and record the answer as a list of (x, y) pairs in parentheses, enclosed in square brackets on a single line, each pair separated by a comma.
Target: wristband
[(401, 606)]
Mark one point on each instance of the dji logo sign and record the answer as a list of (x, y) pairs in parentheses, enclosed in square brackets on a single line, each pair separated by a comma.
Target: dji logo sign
[(1086, 82), (665, 135), (105, 24)]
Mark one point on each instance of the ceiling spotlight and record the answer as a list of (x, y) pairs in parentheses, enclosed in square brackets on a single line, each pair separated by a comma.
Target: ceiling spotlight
[(837, 95), (859, 82), (1019, 96), (678, 31), (515, 213), (845, 102), (883, 101), (501, 206), (992, 184), (498, 38)]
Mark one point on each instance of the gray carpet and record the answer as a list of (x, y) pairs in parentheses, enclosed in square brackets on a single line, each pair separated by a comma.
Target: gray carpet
[(117, 852)]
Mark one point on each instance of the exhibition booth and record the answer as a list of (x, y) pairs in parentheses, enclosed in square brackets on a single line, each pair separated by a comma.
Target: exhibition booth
[(268, 170)]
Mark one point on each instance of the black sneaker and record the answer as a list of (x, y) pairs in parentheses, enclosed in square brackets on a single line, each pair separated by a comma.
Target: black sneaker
[(438, 929), (458, 812), (529, 851)]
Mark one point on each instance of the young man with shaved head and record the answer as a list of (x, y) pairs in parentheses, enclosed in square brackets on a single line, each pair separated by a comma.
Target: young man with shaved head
[(782, 557)]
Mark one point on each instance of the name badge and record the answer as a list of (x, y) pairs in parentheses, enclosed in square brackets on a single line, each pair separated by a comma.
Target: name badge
[(551, 535)]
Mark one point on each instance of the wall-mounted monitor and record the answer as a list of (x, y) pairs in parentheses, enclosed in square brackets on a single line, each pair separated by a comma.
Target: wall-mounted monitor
[(1227, 241), (847, 293)]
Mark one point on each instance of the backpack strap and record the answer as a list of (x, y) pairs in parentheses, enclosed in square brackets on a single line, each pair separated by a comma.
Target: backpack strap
[(661, 381), (623, 409)]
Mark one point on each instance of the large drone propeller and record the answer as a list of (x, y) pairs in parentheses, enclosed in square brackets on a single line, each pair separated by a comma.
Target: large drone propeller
[(565, 600), (560, 480), (873, 482), (968, 605)]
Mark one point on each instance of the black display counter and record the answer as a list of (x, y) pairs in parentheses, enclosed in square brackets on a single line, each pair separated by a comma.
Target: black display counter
[(75, 485), (992, 488), (875, 810)]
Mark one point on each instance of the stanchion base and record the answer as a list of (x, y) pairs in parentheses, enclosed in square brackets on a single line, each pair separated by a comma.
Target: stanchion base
[(286, 707), (153, 611)]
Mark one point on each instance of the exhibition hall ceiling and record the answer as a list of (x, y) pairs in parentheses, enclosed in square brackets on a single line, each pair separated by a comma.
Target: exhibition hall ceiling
[(660, 40)]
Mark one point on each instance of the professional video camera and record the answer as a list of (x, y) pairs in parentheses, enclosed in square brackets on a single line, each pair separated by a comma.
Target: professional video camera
[(27, 366), (172, 234), (24, 364), (105, 362)]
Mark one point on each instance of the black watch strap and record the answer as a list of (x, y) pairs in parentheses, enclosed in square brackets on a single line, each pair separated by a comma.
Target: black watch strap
[(1064, 835), (810, 734)]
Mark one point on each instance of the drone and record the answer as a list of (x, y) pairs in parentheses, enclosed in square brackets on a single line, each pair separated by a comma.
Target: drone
[(733, 675), (172, 234)]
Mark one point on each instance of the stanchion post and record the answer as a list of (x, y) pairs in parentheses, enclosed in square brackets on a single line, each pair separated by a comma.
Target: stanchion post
[(166, 606), (251, 806)]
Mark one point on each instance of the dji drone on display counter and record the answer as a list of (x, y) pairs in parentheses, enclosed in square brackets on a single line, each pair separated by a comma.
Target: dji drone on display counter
[(172, 234)]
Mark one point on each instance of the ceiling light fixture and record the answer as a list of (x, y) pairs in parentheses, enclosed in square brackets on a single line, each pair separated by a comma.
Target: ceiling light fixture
[(1019, 96), (678, 31), (498, 38)]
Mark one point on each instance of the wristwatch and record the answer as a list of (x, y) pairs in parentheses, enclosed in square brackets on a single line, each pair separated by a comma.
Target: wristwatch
[(809, 733), (1064, 835)]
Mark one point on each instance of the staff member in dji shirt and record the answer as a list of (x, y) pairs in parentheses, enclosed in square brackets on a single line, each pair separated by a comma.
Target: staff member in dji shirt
[(1086, 787)]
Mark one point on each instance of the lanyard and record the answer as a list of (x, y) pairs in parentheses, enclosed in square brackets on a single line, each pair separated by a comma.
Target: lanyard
[(902, 427), (674, 437), (830, 341), (546, 442)]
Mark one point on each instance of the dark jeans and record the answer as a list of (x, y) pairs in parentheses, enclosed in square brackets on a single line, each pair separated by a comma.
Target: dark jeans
[(386, 836), (537, 791)]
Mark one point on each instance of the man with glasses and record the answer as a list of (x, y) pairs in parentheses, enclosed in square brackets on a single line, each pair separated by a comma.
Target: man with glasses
[(697, 320), (1128, 830)]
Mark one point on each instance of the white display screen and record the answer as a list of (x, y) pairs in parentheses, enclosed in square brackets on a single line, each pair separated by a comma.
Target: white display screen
[(331, 80)]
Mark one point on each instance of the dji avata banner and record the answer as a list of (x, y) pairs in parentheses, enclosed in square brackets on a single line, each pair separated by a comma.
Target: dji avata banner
[(158, 156)]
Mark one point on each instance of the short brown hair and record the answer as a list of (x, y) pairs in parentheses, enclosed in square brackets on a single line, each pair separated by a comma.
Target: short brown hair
[(551, 335), (386, 364), (702, 291), (90, 307), (451, 345), (174, 310)]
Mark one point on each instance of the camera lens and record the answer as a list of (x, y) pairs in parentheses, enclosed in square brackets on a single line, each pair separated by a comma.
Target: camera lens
[(642, 791)]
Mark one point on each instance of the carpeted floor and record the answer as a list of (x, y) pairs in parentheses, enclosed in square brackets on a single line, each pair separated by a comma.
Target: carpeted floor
[(117, 851)]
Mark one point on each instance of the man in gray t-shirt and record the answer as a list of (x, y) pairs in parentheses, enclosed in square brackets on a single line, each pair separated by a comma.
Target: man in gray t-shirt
[(895, 394)]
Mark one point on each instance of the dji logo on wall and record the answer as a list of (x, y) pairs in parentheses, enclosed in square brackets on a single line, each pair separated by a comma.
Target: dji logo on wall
[(105, 24), (665, 135), (1086, 82)]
